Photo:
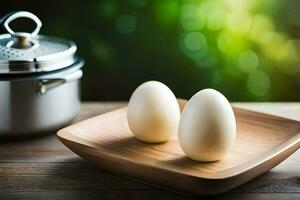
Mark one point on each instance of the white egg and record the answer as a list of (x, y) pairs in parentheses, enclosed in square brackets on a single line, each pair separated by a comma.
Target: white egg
[(153, 112), (207, 127)]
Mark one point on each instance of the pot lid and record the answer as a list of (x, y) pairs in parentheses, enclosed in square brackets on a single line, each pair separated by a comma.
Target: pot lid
[(22, 52)]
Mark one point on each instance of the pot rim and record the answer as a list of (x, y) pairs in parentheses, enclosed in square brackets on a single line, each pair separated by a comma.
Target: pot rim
[(77, 65)]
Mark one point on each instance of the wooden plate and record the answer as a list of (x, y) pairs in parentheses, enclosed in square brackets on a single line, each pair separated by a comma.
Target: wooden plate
[(263, 141)]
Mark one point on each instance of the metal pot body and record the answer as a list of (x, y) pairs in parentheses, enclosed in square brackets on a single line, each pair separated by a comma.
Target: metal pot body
[(39, 79), (24, 109)]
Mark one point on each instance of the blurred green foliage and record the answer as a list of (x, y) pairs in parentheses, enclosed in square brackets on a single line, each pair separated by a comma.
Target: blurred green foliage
[(248, 50)]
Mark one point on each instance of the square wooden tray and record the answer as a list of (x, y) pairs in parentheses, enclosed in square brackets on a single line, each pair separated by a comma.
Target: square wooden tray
[(263, 141)]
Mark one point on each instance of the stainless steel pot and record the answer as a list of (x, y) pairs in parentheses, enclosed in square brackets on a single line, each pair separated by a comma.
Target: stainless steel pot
[(39, 80)]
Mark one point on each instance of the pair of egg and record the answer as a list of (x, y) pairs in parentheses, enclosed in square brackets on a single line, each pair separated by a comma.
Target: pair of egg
[(206, 127)]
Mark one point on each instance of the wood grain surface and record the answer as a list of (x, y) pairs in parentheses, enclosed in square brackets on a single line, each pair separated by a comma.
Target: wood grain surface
[(42, 168), (262, 142)]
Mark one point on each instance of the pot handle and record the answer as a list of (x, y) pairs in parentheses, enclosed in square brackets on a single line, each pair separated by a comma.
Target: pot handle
[(53, 82), (21, 40)]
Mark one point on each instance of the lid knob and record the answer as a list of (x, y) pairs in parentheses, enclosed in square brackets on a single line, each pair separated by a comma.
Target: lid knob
[(21, 40)]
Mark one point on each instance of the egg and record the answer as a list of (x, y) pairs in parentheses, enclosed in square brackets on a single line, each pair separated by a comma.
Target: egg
[(153, 112), (207, 128)]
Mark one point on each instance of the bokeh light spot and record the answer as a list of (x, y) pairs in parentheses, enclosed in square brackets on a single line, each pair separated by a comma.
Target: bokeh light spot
[(223, 41), (278, 48), (261, 28), (291, 63), (108, 8), (248, 61), (258, 83), (237, 4), (215, 20), (239, 21), (102, 52), (189, 18), (230, 43), (195, 41), (126, 23)]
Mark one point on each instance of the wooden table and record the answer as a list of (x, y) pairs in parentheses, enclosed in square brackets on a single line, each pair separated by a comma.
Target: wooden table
[(43, 168)]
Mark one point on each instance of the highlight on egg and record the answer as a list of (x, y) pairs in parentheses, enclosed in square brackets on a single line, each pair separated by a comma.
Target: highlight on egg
[(207, 128), (153, 112)]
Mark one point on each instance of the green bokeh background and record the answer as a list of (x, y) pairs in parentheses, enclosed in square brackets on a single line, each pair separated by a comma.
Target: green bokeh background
[(248, 50)]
